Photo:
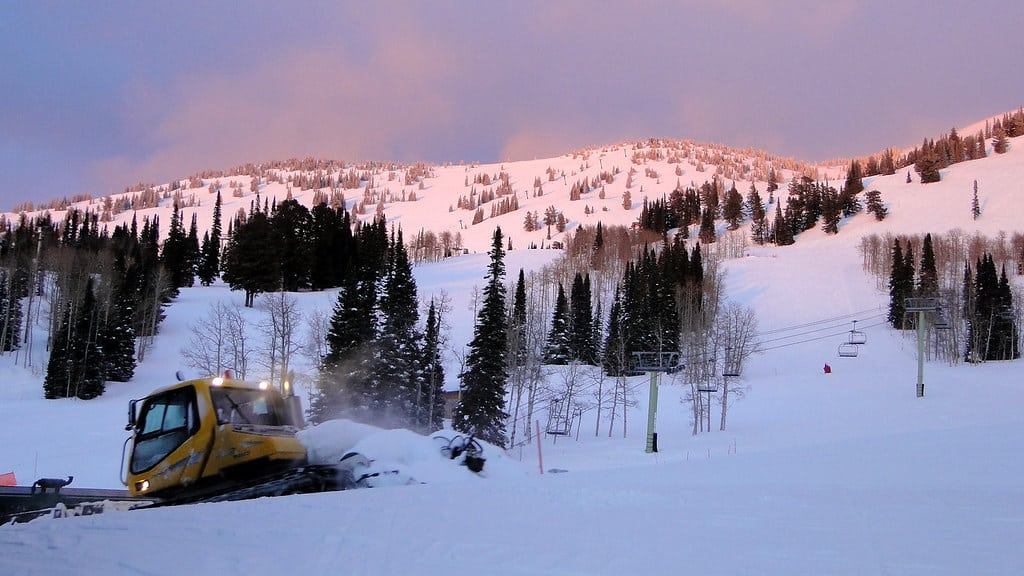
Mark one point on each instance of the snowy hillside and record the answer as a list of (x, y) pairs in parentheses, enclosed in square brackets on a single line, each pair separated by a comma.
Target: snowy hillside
[(840, 473)]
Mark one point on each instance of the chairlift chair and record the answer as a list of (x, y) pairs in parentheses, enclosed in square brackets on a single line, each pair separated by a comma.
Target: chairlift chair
[(558, 424), (848, 350), (707, 387), (856, 336)]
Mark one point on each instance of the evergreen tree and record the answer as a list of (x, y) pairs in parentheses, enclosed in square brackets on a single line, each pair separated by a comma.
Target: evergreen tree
[(928, 163), (88, 359), (332, 246), (581, 317), (928, 276), (193, 255), (517, 323), (482, 408), (209, 260), (1000, 143), (783, 231), (174, 254), (398, 386), (251, 260), (76, 364), (58, 379), (831, 211), (10, 311), (758, 217), (875, 206), (707, 226), (291, 223), (993, 333), (900, 287), (662, 298), (118, 337), (613, 353), (557, 349), (975, 205), (732, 211), (854, 180), (346, 384), (431, 417)]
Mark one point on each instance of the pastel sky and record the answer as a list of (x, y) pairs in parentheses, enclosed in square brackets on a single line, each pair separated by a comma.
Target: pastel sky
[(99, 95)]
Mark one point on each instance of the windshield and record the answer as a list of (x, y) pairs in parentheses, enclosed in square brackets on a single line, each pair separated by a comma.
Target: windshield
[(243, 406), (166, 422)]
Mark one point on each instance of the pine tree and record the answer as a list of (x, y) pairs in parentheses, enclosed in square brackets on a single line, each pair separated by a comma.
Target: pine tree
[(831, 211), (1000, 143), (898, 287), (613, 353), (517, 323), (707, 226), (975, 205), (346, 381), (118, 337), (875, 206), (557, 349), (87, 353), (1007, 331), (174, 254), (783, 231), (481, 410), (291, 224), (10, 311), (252, 260), (581, 317), (854, 179), (928, 276), (993, 333), (58, 380), (193, 255), (332, 246), (732, 212), (209, 264), (398, 382), (928, 163), (758, 217), (431, 417)]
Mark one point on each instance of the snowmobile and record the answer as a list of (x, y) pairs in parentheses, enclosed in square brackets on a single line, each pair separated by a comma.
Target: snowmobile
[(466, 447)]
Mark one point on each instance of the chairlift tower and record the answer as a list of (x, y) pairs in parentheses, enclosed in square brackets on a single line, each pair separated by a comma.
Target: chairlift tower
[(921, 305), (655, 363)]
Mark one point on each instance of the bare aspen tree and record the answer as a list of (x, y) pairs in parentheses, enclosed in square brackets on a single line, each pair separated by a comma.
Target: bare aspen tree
[(35, 289), (279, 323), (208, 351), (530, 372), (442, 308), (598, 377), (736, 330), (151, 306), (318, 325), (238, 341)]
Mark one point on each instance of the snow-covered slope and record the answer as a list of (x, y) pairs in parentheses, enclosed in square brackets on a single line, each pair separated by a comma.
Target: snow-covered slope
[(840, 473)]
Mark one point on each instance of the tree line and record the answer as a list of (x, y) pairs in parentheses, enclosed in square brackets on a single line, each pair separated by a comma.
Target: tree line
[(976, 318)]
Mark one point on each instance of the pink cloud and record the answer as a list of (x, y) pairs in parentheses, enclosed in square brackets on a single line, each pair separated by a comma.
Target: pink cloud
[(316, 101)]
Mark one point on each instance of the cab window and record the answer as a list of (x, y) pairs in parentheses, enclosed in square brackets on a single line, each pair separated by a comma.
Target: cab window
[(165, 422)]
